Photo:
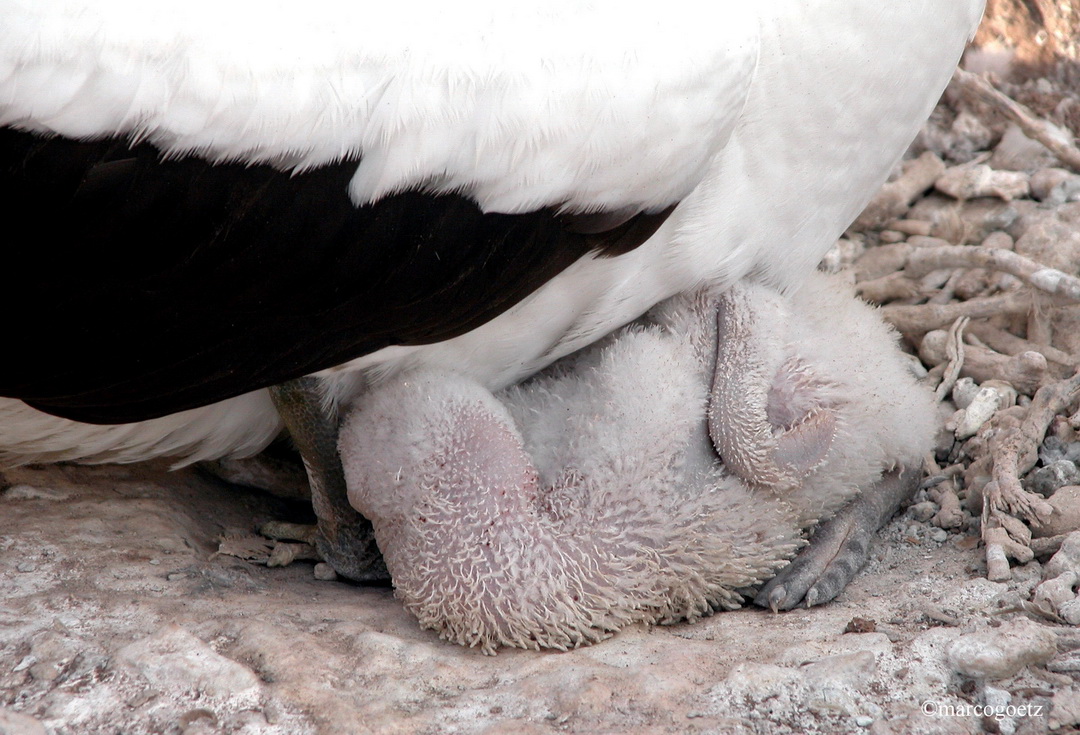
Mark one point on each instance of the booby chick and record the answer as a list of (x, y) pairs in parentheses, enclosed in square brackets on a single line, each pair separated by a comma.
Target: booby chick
[(554, 513), (227, 197)]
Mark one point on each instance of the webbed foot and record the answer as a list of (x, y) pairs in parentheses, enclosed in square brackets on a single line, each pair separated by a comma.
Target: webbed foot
[(840, 546)]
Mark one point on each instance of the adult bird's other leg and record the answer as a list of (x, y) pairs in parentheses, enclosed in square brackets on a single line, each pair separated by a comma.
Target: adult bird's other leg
[(840, 547), (345, 539)]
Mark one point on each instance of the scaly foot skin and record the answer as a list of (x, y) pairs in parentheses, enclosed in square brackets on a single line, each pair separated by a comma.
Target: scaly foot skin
[(840, 547), (345, 539)]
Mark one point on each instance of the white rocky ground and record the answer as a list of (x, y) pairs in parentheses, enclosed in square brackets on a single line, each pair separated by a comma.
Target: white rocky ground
[(117, 616)]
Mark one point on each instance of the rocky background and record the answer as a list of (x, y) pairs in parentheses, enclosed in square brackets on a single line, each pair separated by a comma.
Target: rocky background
[(129, 601)]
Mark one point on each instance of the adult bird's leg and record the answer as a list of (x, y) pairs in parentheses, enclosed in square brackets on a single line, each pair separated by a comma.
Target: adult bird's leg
[(345, 539), (840, 546)]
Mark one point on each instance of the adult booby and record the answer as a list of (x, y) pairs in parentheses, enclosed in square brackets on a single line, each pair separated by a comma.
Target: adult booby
[(215, 197)]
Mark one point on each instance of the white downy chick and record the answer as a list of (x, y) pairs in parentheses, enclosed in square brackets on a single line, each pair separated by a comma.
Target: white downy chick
[(592, 497)]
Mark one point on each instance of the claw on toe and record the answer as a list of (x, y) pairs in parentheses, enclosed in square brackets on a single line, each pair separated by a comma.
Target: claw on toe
[(775, 599), (284, 554), (280, 543)]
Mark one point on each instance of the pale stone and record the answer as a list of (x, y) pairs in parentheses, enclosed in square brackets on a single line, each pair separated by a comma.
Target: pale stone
[(971, 182), (1056, 591), (998, 653), (29, 492), (1066, 558), (1017, 152), (1052, 237), (1065, 517), (17, 723), (1065, 708), (173, 659)]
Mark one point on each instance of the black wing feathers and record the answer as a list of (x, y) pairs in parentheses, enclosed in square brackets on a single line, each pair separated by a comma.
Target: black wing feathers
[(142, 287)]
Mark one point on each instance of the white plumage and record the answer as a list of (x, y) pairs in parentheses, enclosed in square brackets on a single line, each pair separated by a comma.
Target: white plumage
[(772, 123), (518, 105)]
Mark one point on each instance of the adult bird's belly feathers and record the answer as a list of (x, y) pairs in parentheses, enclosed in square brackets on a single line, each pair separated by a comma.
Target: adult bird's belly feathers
[(318, 162)]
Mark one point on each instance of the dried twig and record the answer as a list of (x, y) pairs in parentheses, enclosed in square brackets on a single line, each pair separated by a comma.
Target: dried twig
[(892, 287), (895, 197), (1048, 546), (1039, 329), (1033, 126), (914, 321), (1014, 451), (925, 260), (1025, 372), (954, 351), (1009, 344), (999, 546)]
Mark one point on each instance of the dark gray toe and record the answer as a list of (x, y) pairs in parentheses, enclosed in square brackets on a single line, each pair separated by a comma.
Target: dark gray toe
[(353, 553), (822, 570), (840, 547)]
